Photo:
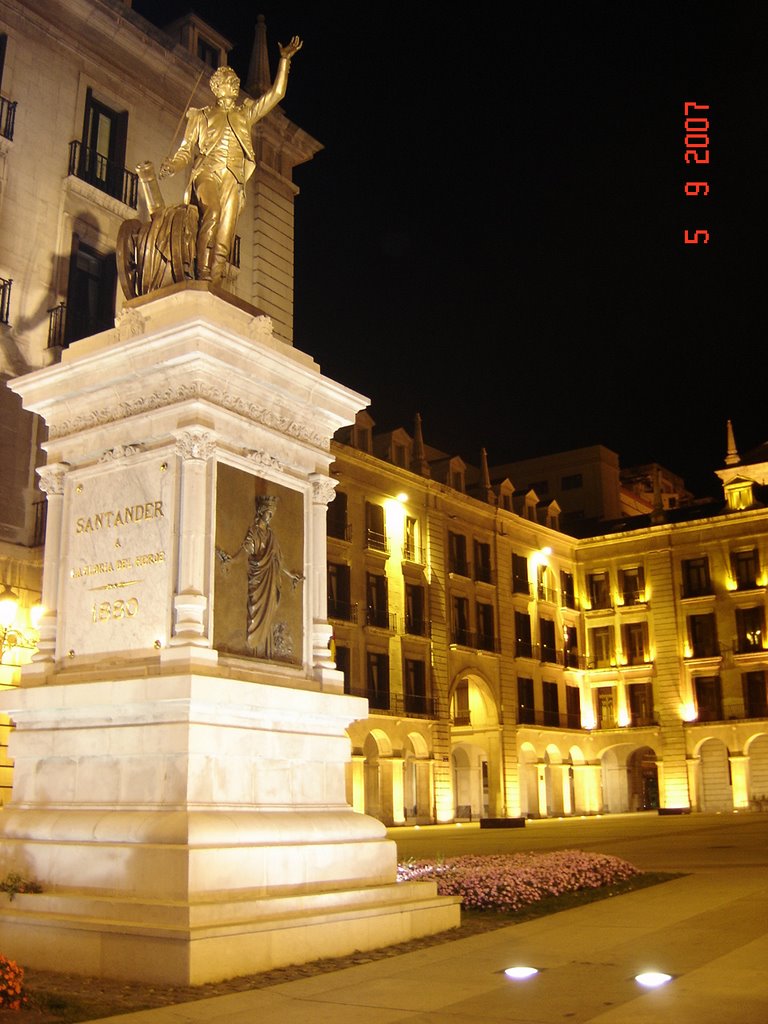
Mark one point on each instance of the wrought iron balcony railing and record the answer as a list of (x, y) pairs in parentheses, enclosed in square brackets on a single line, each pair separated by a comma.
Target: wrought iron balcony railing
[(5, 299), (7, 118), (57, 325), (342, 611), (91, 166)]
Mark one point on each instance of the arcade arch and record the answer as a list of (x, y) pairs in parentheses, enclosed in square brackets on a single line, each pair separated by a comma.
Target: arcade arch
[(629, 778), (475, 748)]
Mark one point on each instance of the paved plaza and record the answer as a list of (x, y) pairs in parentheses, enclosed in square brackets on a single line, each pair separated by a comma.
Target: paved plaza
[(708, 929)]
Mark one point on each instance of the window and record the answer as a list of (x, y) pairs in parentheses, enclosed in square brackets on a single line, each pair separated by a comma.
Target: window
[(101, 157), (461, 703), (416, 700), (745, 569), (363, 439), (567, 590), (635, 642), (572, 482), (411, 549), (544, 588), (749, 630), (90, 293), (696, 582), (702, 633), (378, 681), (7, 109), (606, 707), (400, 455), (339, 606), (540, 486), (485, 632), (598, 585), (632, 583), (376, 535), (461, 634), (342, 664), (547, 634), (482, 562), (208, 53), (377, 609), (571, 645), (572, 707), (523, 645), (520, 584), (755, 699), (336, 522), (640, 704), (709, 698), (415, 622), (457, 554), (601, 646), (526, 709), (551, 705)]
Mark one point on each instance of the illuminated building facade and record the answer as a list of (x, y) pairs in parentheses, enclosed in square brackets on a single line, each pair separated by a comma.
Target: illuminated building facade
[(511, 669)]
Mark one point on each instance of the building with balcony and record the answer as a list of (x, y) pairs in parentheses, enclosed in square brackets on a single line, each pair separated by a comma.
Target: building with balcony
[(533, 639), (88, 89), (513, 669)]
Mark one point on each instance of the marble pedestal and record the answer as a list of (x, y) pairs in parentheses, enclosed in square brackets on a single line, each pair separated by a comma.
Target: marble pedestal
[(181, 799)]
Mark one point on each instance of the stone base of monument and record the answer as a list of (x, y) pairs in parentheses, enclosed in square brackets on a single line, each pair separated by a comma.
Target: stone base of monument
[(184, 830), (179, 745), (191, 944)]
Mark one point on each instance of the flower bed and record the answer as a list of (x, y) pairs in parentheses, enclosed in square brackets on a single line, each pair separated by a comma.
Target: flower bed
[(513, 881)]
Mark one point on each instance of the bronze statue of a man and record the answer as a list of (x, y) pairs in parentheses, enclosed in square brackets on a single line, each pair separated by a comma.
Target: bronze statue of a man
[(218, 144)]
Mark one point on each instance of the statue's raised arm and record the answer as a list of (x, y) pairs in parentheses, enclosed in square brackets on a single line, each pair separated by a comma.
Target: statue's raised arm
[(218, 145), (290, 49)]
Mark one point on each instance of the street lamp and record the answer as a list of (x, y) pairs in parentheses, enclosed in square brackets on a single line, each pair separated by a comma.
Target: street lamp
[(11, 637)]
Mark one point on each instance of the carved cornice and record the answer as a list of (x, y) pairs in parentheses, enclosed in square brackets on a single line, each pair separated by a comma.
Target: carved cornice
[(206, 392), (197, 445), (261, 458), (323, 489), (121, 451), (52, 478), (130, 323)]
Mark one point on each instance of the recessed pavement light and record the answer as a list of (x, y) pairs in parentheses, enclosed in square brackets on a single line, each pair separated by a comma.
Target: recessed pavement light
[(520, 973), (652, 979)]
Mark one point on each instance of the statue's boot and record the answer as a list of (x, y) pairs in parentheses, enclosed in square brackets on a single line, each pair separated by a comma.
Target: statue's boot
[(219, 265), (204, 262)]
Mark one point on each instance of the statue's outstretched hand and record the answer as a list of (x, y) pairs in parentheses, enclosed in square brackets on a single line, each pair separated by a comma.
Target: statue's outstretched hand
[(291, 49), (166, 169)]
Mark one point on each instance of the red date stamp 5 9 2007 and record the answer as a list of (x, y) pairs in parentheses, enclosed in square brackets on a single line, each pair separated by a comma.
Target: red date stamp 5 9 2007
[(696, 152)]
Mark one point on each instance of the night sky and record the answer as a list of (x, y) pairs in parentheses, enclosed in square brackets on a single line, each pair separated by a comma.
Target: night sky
[(493, 234)]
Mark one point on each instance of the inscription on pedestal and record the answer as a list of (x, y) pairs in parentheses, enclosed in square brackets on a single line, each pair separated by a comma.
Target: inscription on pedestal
[(116, 573)]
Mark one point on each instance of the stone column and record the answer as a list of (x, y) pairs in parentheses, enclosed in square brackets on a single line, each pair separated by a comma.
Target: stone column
[(190, 602), (693, 765), (565, 771), (586, 778), (358, 783), (323, 489), (740, 780), (52, 483), (541, 778), (398, 791)]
